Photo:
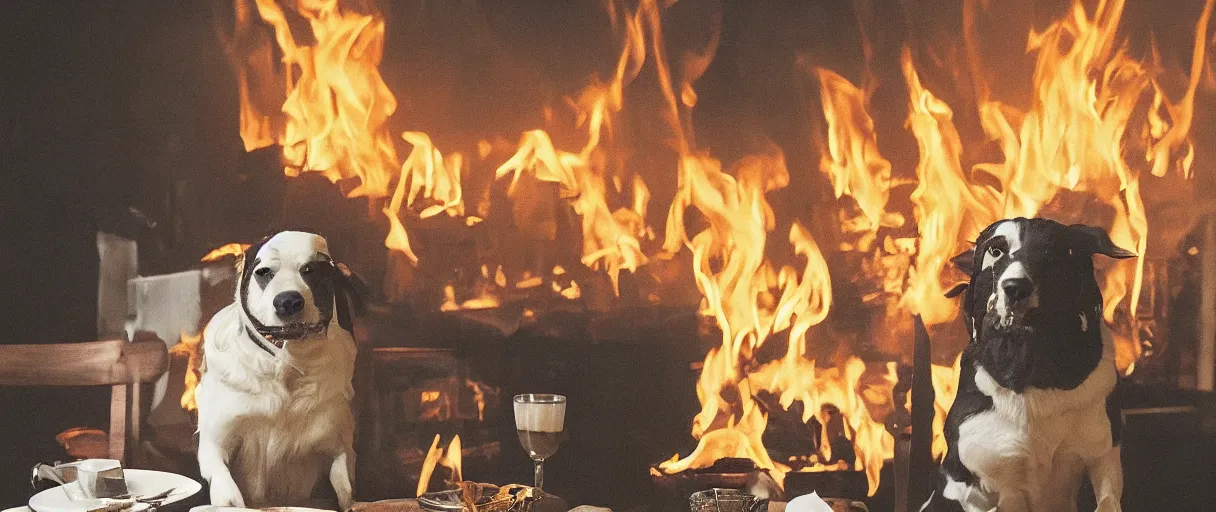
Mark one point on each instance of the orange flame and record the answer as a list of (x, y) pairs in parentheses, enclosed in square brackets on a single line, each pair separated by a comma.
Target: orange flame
[(232, 249), (850, 154), (333, 114), (611, 238), (945, 389), (449, 457), (427, 175), (336, 104), (1086, 90), (749, 300), (1073, 139), (949, 210), (190, 347)]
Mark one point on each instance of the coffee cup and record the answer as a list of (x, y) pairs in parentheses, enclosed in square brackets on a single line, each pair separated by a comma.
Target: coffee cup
[(98, 478)]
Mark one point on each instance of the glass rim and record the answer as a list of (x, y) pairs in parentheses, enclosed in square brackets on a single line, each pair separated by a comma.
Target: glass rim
[(539, 398)]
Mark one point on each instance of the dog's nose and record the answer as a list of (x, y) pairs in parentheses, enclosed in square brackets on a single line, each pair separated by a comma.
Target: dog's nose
[(288, 303), (1017, 288)]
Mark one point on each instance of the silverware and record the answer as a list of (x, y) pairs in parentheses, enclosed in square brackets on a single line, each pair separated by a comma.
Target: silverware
[(46, 472), (127, 502), (155, 498)]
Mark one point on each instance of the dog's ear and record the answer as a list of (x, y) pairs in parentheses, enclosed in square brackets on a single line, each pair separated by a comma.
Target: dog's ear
[(351, 293), (965, 261), (1096, 241), (240, 263), (957, 290)]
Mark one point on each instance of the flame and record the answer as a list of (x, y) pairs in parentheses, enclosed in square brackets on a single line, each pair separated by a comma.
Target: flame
[(427, 175), (232, 249), (435, 405), (949, 210), (336, 102), (190, 347), (449, 457), (749, 300), (611, 238), (1072, 139), (850, 155), (479, 397), (332, 116), (945, 388), (798, 379), (326, 104), (1086, 90)]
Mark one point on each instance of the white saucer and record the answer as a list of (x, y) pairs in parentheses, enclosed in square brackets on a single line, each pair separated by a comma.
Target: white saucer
[(140, 482)]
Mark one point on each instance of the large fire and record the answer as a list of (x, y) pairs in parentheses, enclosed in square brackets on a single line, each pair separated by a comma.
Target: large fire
[(1098, 119)]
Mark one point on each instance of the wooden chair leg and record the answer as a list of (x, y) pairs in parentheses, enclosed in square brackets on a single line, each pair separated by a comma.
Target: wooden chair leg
[(134, 441), (118, 422)]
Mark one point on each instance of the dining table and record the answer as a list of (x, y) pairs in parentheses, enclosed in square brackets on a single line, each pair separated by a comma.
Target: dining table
[(395, 505)]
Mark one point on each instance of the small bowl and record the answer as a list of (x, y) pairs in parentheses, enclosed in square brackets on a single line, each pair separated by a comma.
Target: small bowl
[(726, 500)]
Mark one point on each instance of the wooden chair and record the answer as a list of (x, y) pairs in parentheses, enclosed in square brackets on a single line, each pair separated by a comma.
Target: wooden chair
[(119, 364)]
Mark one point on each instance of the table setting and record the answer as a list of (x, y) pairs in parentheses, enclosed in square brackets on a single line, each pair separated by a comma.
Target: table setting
[(104, 485)]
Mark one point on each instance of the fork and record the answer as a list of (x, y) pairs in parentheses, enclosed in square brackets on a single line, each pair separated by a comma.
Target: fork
[(155, 498)]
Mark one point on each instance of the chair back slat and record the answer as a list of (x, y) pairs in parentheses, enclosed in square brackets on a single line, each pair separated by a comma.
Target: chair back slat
[(92, 363)]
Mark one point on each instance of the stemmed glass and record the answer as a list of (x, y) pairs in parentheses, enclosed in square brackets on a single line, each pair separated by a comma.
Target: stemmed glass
[(540, 422)]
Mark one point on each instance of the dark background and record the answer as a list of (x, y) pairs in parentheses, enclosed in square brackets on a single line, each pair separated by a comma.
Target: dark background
[(95, 95), (122, 116)]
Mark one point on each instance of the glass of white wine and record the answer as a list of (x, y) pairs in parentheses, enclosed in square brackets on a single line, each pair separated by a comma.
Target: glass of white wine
[(540, 422)]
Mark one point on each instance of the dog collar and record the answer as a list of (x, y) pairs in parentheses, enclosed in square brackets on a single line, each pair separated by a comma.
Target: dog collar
[(278, 336), (261, 341)]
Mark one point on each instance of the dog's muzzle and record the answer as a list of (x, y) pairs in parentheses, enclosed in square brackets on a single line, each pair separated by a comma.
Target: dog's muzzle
[(1013, 298), (279, 335), (1017, 289)]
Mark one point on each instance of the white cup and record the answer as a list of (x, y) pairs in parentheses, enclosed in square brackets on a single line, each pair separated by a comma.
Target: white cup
[(99, 478)]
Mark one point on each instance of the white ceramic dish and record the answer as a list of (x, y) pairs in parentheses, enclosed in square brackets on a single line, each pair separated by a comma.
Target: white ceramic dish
[(140, 482)]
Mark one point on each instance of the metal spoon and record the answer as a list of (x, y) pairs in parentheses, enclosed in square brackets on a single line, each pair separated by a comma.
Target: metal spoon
[(46, 472)]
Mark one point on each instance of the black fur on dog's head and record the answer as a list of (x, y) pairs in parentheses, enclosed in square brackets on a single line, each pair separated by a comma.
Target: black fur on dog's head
[(1033, 307), (288, 288)]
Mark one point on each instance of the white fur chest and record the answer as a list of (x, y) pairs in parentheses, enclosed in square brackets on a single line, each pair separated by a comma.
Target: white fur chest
[(300, 408), (297, 394), (275, 421), (1031, 449)]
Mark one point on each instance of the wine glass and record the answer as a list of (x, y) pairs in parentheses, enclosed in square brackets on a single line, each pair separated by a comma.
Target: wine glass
[(540, 422)]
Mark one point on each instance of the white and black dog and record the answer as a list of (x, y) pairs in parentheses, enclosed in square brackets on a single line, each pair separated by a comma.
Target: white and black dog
[(274, 397), (1036, 409)]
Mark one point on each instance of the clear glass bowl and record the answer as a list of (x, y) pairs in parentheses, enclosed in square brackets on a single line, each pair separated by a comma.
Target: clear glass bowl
[(449, 501), (726, 500)]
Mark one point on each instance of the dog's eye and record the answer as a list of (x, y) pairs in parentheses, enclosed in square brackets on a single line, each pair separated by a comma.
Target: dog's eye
[(263, 272), (306, 269), (995, 252)]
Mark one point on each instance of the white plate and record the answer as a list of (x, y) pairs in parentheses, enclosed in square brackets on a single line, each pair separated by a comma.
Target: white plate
[(140, 482)]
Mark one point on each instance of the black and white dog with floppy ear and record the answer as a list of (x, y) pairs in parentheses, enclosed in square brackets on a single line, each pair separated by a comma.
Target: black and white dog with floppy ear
[(274, 397), (1036, 410)]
